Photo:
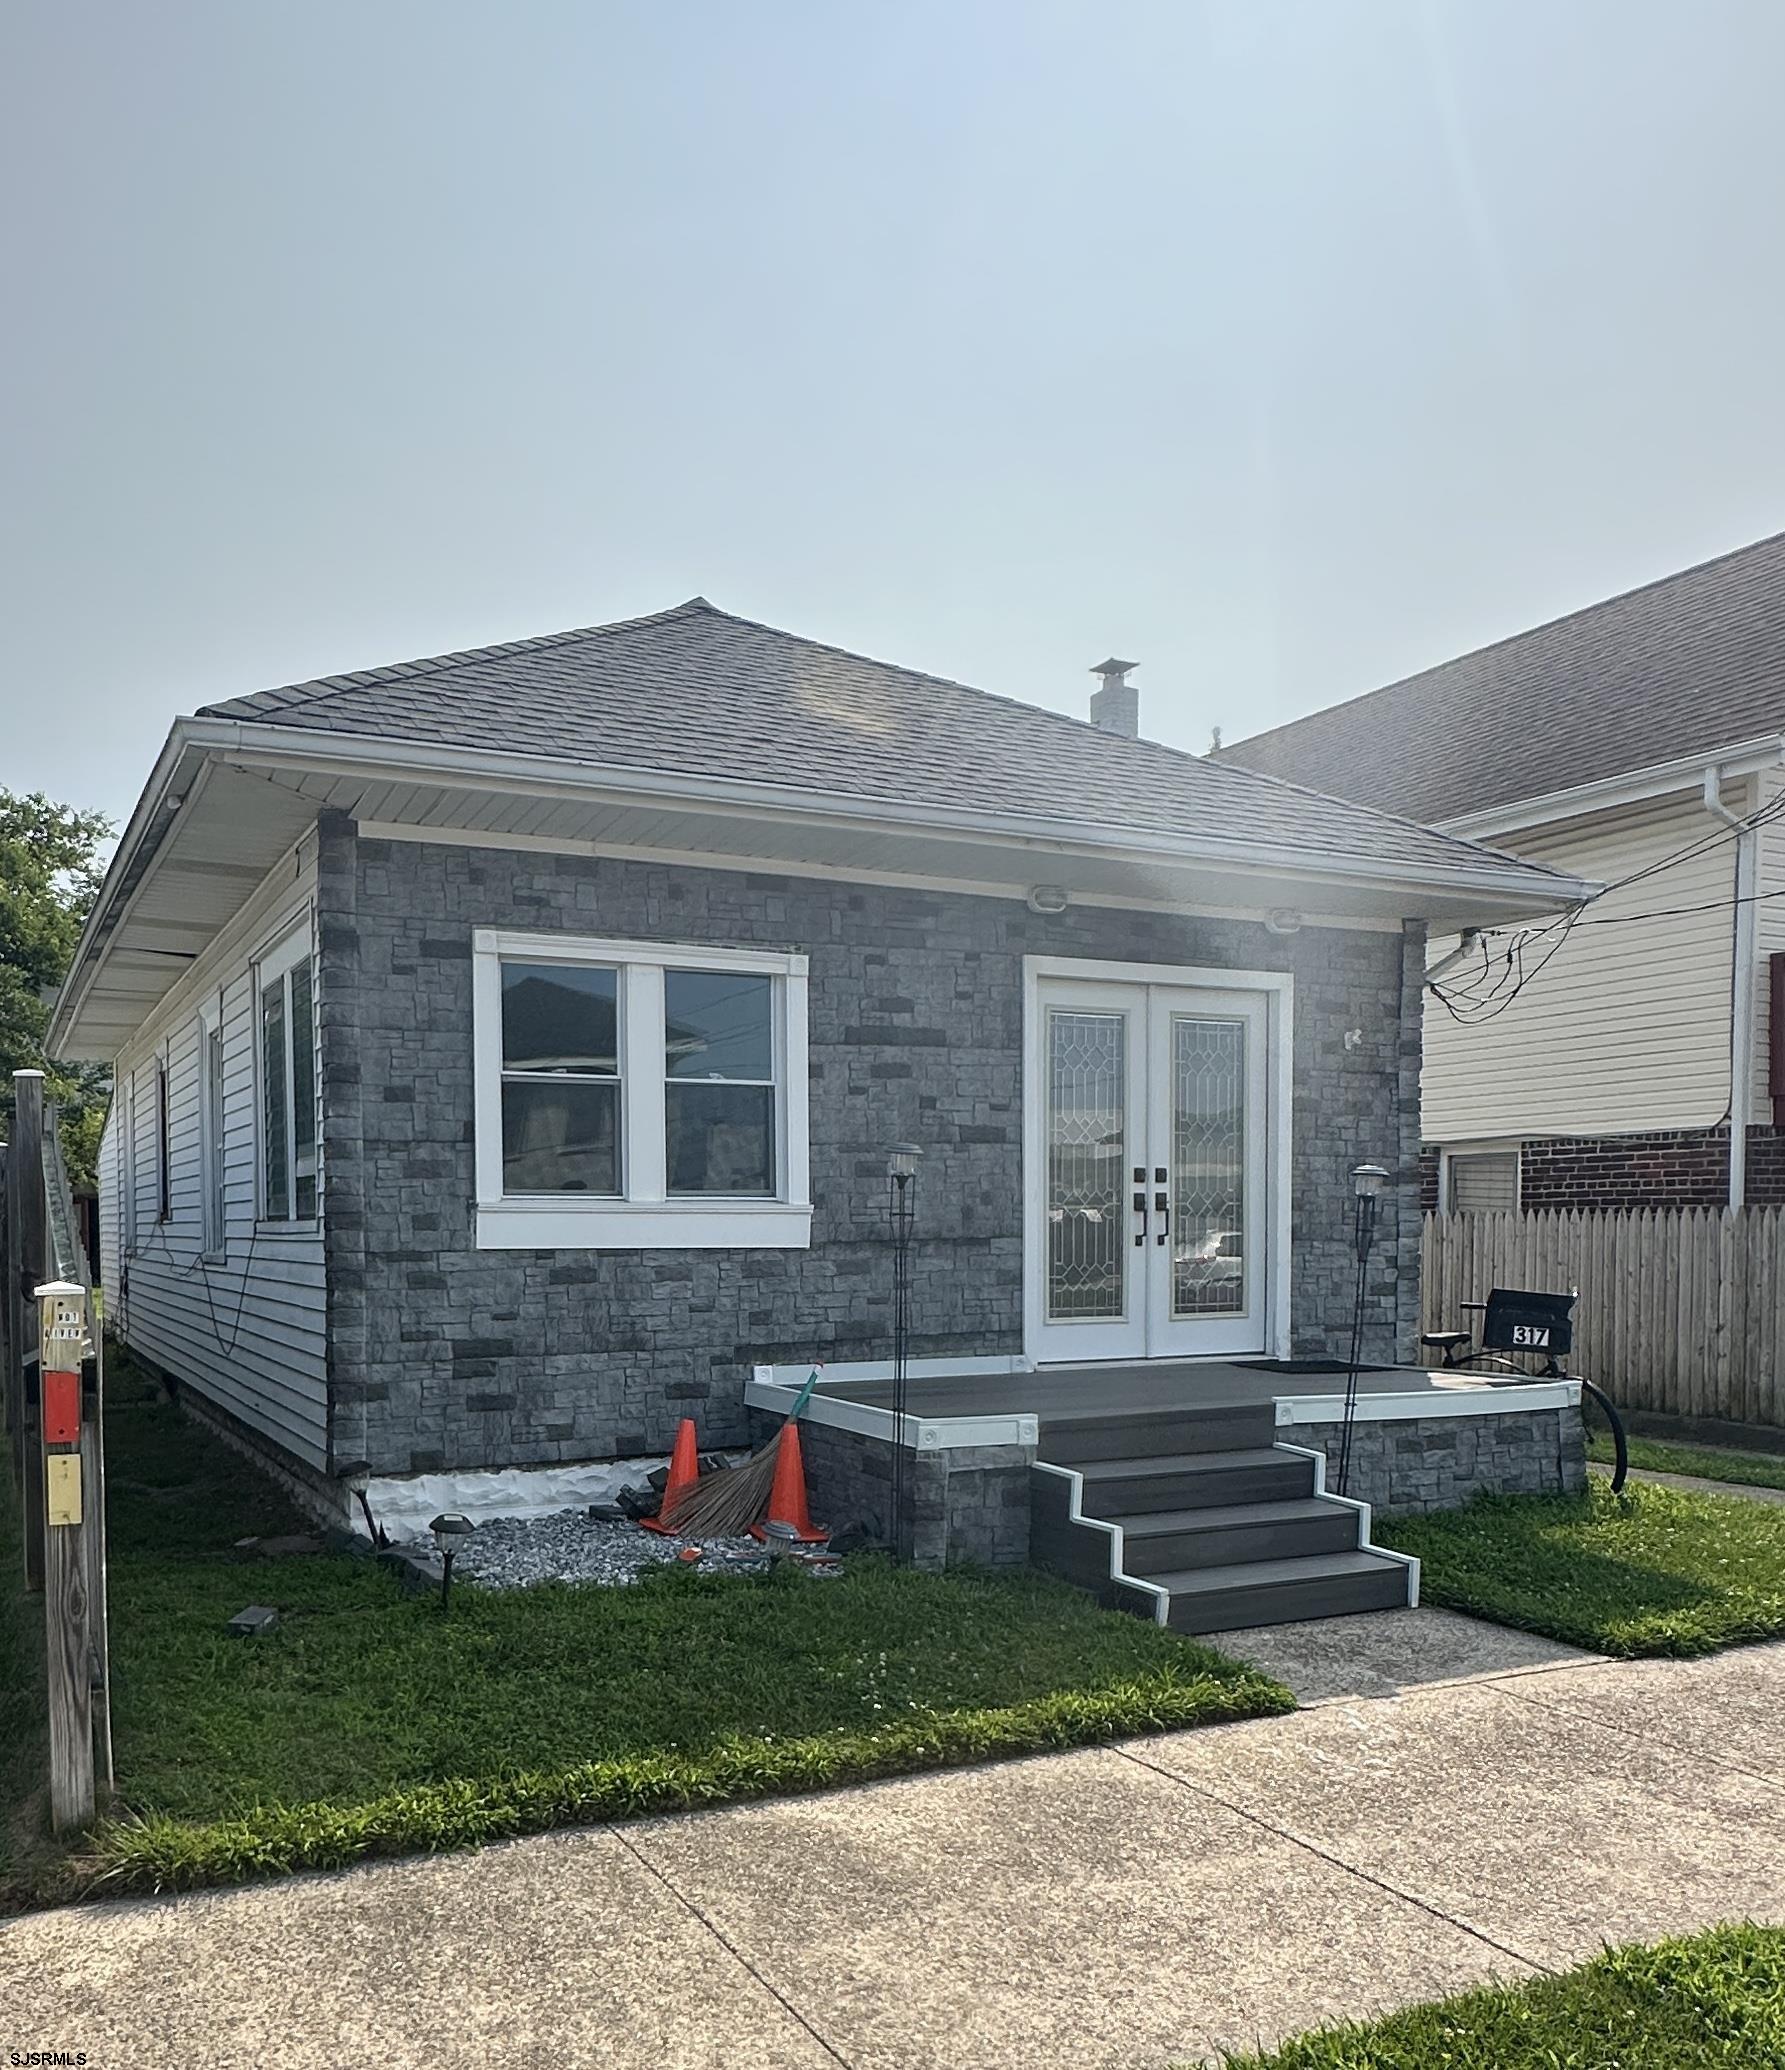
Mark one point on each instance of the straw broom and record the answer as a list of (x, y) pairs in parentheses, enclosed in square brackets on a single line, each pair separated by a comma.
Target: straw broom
[(726, 1502)]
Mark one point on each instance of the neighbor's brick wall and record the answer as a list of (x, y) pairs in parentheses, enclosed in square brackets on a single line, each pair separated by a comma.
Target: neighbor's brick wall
[(443, 1356), (1667, 1168)]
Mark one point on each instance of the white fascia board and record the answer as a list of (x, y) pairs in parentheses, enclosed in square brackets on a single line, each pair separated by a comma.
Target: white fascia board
[(1524, 885), (1632, 787), (1480, 1398), (177, 768)]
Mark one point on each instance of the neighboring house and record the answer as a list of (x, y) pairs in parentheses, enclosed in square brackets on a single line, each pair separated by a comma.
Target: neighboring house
[(1644, 734), (509, 1046)]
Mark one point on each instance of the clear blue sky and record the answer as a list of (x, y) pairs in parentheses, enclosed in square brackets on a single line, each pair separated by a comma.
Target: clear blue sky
[(1286, 348)]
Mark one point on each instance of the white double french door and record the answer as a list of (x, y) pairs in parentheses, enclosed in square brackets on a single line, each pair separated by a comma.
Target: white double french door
[(1148, 1218)]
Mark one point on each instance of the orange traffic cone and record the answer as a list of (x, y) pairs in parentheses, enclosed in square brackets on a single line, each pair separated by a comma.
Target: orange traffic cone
[(684, 1471), (787, 1493)]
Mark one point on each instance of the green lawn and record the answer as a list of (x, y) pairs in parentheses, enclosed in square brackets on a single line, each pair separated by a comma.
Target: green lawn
[(1654, 1570), (1708, 1462), (1713, 2002), (372, 1722)]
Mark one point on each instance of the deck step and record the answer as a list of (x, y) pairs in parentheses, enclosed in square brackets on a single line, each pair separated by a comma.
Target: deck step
[(1162, 1540), (1225, 1599), (1075, 1437), (1121, 1488)]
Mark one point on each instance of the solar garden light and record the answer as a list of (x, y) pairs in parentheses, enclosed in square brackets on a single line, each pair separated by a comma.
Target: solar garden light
[(901, 1173), (448, 1529), (780, 1537), (1367, 1182)]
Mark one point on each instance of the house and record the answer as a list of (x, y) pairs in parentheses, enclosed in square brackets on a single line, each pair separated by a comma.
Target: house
[(509, 1046), (1640, 744)]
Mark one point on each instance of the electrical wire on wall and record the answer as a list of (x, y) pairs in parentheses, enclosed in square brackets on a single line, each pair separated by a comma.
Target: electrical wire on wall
[(1519, 954)]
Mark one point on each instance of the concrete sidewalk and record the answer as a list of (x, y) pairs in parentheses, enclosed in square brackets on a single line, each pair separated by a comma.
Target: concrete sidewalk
[(1458, 1803)]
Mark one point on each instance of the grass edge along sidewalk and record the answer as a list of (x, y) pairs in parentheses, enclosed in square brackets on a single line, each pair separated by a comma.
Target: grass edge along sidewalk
[(369, 1724), (160, 1853), (1654, 1571), (1709, 2001), (1699, 1462)]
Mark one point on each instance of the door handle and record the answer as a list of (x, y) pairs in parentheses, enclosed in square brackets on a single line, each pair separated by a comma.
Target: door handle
[(1162, 1202), (1140, 1208)]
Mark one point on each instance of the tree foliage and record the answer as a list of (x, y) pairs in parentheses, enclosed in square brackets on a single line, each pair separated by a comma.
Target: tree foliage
[(50, 872)]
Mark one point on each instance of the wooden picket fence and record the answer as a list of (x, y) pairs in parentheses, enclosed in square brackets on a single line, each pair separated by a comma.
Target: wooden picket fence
[(1681, 1311)]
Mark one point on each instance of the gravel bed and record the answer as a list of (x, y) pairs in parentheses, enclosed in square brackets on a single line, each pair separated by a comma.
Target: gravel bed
[(517, 1552)]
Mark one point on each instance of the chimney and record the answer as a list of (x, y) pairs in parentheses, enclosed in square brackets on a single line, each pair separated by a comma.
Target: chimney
[(1115, 708)]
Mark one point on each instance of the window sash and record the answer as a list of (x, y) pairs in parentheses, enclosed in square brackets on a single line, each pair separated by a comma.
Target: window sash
[(211, 1200), (290, 1157), (644, 1080)]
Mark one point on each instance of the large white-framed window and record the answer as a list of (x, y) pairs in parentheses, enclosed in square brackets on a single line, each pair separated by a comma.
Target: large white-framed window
[(210, 1129), (285, 1020), (639, 1095)]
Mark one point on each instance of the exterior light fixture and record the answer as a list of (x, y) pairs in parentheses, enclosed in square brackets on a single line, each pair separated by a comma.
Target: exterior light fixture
[(901, 1173), (1367, 1182), (449, 1529)]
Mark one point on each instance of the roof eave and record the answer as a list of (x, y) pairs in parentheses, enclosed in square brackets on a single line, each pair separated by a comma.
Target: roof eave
[(1627, 787), (1541, 889)]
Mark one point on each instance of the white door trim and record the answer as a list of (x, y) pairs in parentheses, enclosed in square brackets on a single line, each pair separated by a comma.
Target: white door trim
[(1279, 988)]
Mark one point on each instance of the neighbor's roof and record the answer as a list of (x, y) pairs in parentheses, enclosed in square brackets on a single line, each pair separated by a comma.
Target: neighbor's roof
[(1679, 667), (695, 691)]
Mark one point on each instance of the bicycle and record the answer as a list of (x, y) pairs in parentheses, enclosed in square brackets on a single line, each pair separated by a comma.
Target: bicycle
[(1518, 1324)]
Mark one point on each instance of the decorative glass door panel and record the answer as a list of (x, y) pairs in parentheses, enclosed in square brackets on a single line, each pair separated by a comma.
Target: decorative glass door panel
[(1087, 1150), (1147, 1213), (1208, 1166)]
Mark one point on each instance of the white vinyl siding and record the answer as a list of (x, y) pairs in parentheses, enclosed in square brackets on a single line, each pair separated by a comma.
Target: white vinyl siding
[(1627, 1027), (1769, 934), (237, 1312)]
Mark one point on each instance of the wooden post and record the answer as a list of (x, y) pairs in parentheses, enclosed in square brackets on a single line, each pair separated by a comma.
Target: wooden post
[(30, 1215), (93, 1480), (66, 1342)]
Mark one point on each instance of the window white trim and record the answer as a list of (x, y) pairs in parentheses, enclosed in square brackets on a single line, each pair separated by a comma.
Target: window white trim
[(213, 1209), (644, 1217), (273, 964)]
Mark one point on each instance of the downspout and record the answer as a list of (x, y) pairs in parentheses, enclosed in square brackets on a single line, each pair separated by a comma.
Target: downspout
[(1742, 983)]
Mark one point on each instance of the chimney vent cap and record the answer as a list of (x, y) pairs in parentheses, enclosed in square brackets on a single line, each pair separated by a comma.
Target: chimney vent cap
[(1113, 667)]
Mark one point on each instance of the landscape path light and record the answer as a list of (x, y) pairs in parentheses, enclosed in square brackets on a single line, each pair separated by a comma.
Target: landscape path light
[(449, 1529), (1367, 1182), (901, 1174)]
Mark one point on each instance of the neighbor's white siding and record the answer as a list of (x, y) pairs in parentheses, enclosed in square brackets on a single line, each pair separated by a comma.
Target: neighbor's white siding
[(244, 1326), (1769, 931), (1627, 1027)]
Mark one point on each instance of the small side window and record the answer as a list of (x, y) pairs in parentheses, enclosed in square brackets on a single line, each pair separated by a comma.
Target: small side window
[(288, 1150), (163, 1175), (1482, 1182)]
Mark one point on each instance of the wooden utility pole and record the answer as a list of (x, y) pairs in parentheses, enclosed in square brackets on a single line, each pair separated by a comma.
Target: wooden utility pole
[(65, 1338), (29, 1230)]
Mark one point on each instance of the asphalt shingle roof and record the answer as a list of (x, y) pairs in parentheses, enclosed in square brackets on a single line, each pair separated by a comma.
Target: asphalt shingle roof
[(695, 690), (1693, 662)]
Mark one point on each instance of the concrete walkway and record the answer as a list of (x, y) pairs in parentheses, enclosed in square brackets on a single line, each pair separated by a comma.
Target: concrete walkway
[(1458, 1802), (1693, 1483)]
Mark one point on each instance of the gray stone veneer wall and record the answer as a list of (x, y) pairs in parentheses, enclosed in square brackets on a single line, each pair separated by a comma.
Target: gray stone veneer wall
[(1439, 1462), (443, 1356), (967, 1506)]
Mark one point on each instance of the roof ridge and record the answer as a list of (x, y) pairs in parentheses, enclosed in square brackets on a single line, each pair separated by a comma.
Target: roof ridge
[(1511, 639), (428, 664)]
